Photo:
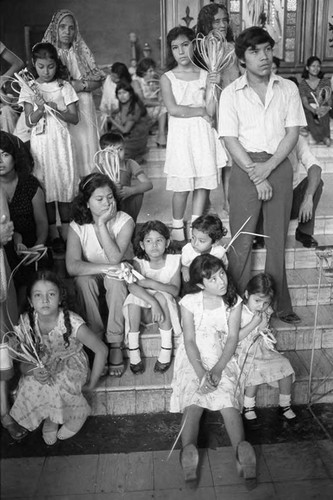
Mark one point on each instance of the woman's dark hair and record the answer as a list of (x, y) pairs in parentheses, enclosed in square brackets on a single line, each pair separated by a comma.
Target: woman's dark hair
[(277, 61), (19, 151), (121, 70), (310, 61), (144, 65), (251, 37), (204, 266), (293, 79), (210, 224), (262, 284), (206, 18), (171, 36), (146, 228), (81, 214), (111, 139), (45, 50), (134, 99), (46, 275)]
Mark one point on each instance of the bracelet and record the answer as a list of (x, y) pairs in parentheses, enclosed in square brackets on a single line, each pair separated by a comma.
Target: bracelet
[(29, 119), (84, 85)]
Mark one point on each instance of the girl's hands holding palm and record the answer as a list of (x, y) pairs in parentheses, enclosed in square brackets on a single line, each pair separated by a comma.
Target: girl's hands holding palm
[(42, 375), (209, 382)]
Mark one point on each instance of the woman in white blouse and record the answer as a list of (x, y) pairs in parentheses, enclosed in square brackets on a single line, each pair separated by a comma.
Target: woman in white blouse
[(99, 238)]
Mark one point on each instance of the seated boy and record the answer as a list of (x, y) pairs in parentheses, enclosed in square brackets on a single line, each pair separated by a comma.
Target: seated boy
[(130, 195)]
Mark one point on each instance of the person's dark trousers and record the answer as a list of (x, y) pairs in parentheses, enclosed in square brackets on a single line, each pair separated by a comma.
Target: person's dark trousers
[(298, 196), (243, 198)]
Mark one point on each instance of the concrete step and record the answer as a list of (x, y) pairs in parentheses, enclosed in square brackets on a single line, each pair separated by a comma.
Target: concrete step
[(289, 337), (150, 392)]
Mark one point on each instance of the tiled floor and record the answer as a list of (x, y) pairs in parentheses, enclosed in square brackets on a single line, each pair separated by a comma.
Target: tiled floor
[(290, 471)]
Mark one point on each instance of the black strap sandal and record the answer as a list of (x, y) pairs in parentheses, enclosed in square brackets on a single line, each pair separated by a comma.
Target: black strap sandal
[(163, 367), (138, 367)]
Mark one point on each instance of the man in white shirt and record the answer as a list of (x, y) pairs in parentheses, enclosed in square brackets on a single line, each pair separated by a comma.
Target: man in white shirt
[(259, 119)]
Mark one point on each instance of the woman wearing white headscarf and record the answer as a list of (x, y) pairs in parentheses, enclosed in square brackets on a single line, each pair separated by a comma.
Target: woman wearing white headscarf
[(63, 33)]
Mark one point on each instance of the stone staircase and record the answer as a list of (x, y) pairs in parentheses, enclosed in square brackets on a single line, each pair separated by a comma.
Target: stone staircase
[(150, 392)]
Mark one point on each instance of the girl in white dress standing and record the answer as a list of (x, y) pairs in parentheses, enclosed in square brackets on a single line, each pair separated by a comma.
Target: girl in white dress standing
[(206, 373), (51, 144), (194, 152), (63, 32)]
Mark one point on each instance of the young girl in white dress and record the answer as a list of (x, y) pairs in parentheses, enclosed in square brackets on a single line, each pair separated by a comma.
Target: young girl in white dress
[(194, 152), (85, 77), (51, 144), (206, 373), (153, 297), (54, 393), (257, 357)]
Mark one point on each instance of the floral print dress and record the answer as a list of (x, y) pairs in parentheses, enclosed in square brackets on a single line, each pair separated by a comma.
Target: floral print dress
[(61, 399)]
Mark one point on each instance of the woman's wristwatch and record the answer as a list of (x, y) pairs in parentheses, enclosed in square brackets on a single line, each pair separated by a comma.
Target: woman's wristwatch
[(84, 85)]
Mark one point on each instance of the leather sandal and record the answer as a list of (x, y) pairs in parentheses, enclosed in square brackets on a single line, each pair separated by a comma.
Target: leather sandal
[(246, 464), (189, 460), (15, 430), (116, 369)]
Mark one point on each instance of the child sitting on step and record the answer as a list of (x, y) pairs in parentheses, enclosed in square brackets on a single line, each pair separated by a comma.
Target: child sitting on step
[(53, 393), (130, 193), (153, 297), (256, 353), (206, 373), (207, 232)]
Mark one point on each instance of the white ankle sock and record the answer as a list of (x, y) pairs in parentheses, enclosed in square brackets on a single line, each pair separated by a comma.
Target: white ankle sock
[(178, 233), (133, 347), (284, 400), (166, 343), (250, 403)]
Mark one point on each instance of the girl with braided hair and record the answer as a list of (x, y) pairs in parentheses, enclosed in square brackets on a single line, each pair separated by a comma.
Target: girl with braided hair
[(53, 393)]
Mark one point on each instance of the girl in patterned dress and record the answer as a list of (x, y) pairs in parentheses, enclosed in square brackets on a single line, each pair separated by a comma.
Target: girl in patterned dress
[(257, 357), (153, 297), (51, 144), (54, 393), (206, 373)]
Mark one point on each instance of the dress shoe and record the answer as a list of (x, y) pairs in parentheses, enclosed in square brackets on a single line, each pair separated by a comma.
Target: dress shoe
[(290, 318), (306, 239), (258, 243)]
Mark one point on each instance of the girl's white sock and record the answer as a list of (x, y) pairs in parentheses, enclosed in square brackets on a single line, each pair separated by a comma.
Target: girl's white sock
[(166, 346), (284, 399), (133, 347), (178, 233), (250, 403), (285, 402)]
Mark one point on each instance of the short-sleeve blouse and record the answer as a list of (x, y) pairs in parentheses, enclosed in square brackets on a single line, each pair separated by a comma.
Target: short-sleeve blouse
[(91, 248)]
